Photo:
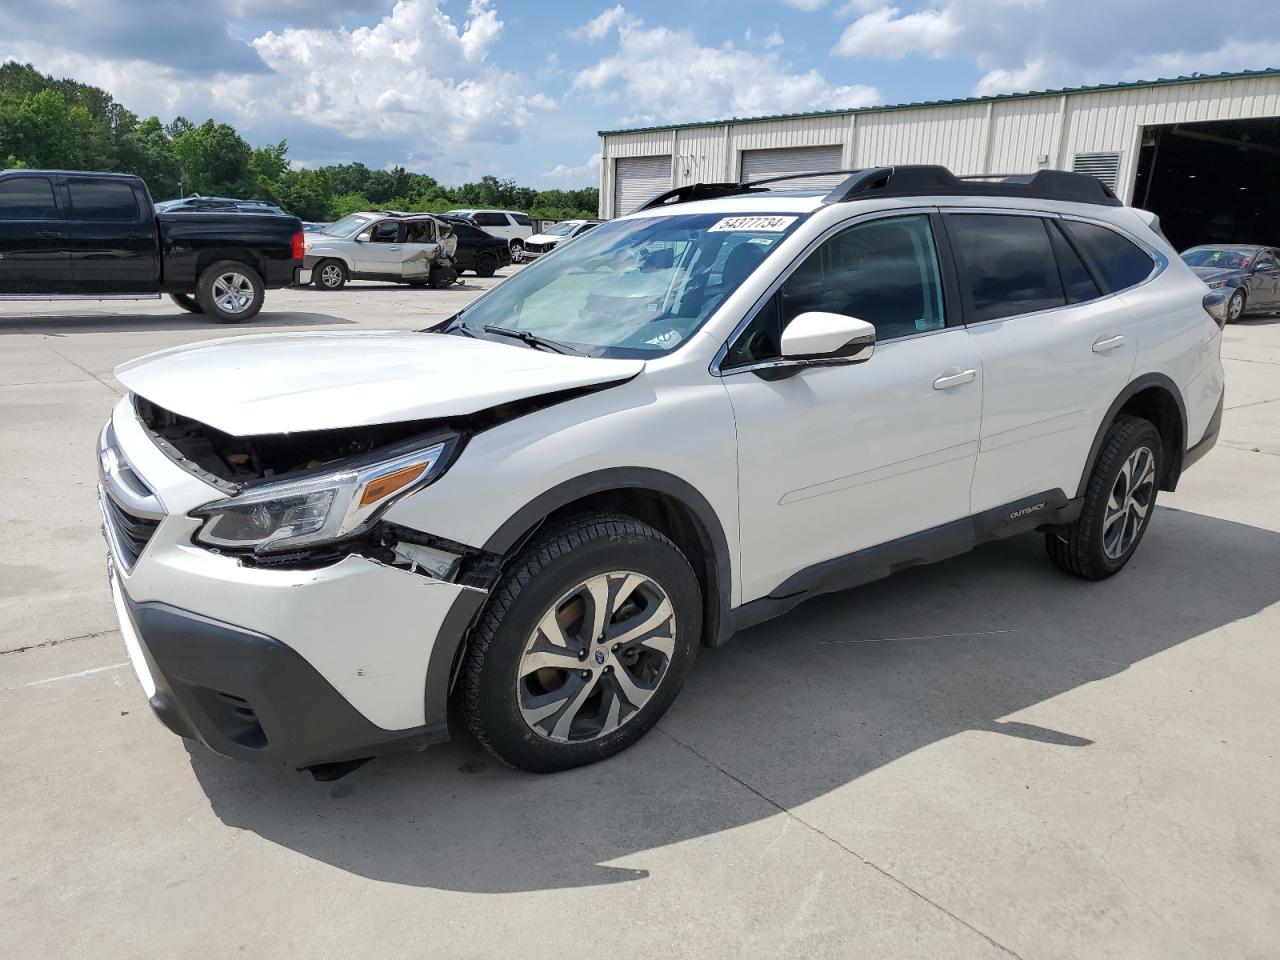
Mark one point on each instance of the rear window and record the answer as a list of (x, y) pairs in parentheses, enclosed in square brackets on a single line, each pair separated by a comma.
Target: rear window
[(1009, 263), (27, 198), (102, 200), (1119, 262)]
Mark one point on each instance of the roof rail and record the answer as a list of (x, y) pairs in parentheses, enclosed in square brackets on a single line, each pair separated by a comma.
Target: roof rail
[(938, 181), (696, 191)]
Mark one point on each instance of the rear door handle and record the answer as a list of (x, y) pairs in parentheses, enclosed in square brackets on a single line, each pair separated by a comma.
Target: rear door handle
[(954, 379), (50, 235), (393, 247), (1103, 344)]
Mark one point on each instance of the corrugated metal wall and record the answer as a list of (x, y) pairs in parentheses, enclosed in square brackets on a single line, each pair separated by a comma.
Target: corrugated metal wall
[(999, 136)]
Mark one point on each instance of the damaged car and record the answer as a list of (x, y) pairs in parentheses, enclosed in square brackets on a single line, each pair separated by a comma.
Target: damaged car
[(684, 423), (417, 249)]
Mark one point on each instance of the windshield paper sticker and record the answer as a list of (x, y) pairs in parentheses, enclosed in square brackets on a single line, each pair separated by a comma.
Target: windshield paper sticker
[(754, 224)]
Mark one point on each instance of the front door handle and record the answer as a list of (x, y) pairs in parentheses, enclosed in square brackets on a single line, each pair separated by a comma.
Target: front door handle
[(396, 248), (955, 379), (50, 235), (1103, 344)]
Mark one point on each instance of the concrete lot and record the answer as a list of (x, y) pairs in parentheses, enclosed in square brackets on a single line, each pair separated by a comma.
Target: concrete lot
[(983, 758)]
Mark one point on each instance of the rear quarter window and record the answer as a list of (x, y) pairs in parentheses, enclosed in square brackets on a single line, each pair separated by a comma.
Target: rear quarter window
[(521, 219), (1118, 262)]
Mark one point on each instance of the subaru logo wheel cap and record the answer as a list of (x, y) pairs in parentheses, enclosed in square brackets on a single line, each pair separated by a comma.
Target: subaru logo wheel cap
[(600, 657)]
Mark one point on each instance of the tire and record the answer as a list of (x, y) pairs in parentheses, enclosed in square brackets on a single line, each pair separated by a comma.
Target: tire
[(1127, 474), (1235, 306), (230, 292), (187, 302), (486, 265), (330, 275), (540, 709), (517, 251)]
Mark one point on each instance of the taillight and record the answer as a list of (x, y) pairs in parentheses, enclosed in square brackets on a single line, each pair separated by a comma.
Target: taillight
[(299, 248)]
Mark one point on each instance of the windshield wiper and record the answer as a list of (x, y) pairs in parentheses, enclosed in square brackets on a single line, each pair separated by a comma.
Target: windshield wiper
[(532, 339)]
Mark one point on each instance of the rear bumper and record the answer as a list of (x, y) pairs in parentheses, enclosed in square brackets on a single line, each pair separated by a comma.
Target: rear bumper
[(1210, 438), (301, 276), (248, 696)]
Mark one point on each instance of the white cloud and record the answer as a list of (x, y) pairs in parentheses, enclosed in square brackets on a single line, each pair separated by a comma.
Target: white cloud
[(721, 81), (1020, 45), (584, 173), (885, 34), (598, 28), (774, 39), (413, 72)]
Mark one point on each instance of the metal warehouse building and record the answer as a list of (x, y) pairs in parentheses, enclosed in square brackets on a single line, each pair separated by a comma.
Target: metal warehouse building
[(1203, 152)]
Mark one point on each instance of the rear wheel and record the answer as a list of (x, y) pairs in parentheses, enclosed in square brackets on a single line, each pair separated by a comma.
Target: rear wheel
[(1118, 503), (486, 265), (517, 251), (330, 275), (230, 292), (186, 301), (585, 643)]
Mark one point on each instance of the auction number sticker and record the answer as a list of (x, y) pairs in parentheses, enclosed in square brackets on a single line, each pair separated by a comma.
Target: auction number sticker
[(754, 224)]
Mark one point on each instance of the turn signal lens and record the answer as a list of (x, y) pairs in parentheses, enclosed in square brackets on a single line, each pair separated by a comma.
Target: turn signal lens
[(382, 487)]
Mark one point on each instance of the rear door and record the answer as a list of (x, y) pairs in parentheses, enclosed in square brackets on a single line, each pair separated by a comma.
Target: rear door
[(497, 224), (1056, 350), (111, 234), (33, 239)]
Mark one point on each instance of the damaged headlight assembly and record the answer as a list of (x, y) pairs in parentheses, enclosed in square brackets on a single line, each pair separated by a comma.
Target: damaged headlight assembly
[(333, 505)]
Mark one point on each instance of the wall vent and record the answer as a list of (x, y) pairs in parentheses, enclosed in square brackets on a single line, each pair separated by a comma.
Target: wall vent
[(1104, 166)]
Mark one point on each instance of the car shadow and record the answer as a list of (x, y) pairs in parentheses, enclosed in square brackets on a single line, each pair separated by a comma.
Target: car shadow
[(64, 324), (791, 709)]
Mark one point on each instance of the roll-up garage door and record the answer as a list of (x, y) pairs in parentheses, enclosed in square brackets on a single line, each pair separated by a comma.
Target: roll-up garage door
[(758, 164), (637, 179)]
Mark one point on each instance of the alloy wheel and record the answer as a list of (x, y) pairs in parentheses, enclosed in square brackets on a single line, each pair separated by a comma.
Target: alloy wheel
[(1236, 306), (233, 292), (331, 275), (1131, 499), (596, 657)]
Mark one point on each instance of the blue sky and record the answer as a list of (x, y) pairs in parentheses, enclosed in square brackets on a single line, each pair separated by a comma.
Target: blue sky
[(460, 88)]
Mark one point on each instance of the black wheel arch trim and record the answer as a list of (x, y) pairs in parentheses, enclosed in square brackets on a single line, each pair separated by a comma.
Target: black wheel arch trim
[(718, 566), (1174, 458)]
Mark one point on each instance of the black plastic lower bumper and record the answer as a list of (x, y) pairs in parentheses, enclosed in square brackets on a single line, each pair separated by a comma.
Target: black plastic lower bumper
[(250, 697)]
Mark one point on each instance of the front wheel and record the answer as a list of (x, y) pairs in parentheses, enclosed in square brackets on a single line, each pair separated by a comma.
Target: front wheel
[(230, 292), (187, 302), (585, 643), (517, 251), (330, 275), (1235, 306), (1118, 503)]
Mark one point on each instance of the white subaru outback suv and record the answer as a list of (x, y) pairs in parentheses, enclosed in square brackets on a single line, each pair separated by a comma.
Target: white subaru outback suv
[(688, 421)]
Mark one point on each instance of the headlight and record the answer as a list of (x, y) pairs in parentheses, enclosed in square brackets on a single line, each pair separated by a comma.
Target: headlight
[(1215, 284), (330, 506)]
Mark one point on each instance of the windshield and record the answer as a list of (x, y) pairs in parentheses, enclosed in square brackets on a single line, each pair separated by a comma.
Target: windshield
[(562, 229), (631, 288), (1213, 257), (347, 225)]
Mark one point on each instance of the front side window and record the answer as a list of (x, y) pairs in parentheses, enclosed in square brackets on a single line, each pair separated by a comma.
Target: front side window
[(386, 232), (27, 198), (632, 288), (102, 200), (884, 272), (1009, 262), (1120, 263)]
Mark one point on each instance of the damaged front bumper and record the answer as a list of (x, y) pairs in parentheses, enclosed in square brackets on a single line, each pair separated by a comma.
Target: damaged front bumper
[(273, 665)]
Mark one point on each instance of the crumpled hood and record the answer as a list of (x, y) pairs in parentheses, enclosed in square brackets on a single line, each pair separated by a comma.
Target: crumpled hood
[(1216, 273), (290, 382)]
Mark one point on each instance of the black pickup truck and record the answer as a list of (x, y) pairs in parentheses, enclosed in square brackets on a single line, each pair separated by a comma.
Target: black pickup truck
[(71, 234)]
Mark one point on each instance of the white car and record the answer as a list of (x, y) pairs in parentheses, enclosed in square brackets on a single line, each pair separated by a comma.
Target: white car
[(414, 248), (686, 422), (556, 234), (514, 227)]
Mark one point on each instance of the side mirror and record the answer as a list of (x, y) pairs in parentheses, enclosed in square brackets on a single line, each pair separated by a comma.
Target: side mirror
[(830, 338), (364, 237)]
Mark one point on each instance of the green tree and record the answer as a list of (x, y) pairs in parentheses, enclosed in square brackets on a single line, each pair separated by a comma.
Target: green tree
[(214, 160)]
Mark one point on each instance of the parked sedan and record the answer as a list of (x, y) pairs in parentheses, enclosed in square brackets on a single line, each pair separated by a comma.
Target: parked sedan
[(480, 252), (558, 233), (1252, 271)]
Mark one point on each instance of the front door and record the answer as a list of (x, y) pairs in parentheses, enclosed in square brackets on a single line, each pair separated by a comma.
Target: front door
[(33, 239), (1264, 282), (833, 460), (382, 255)]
